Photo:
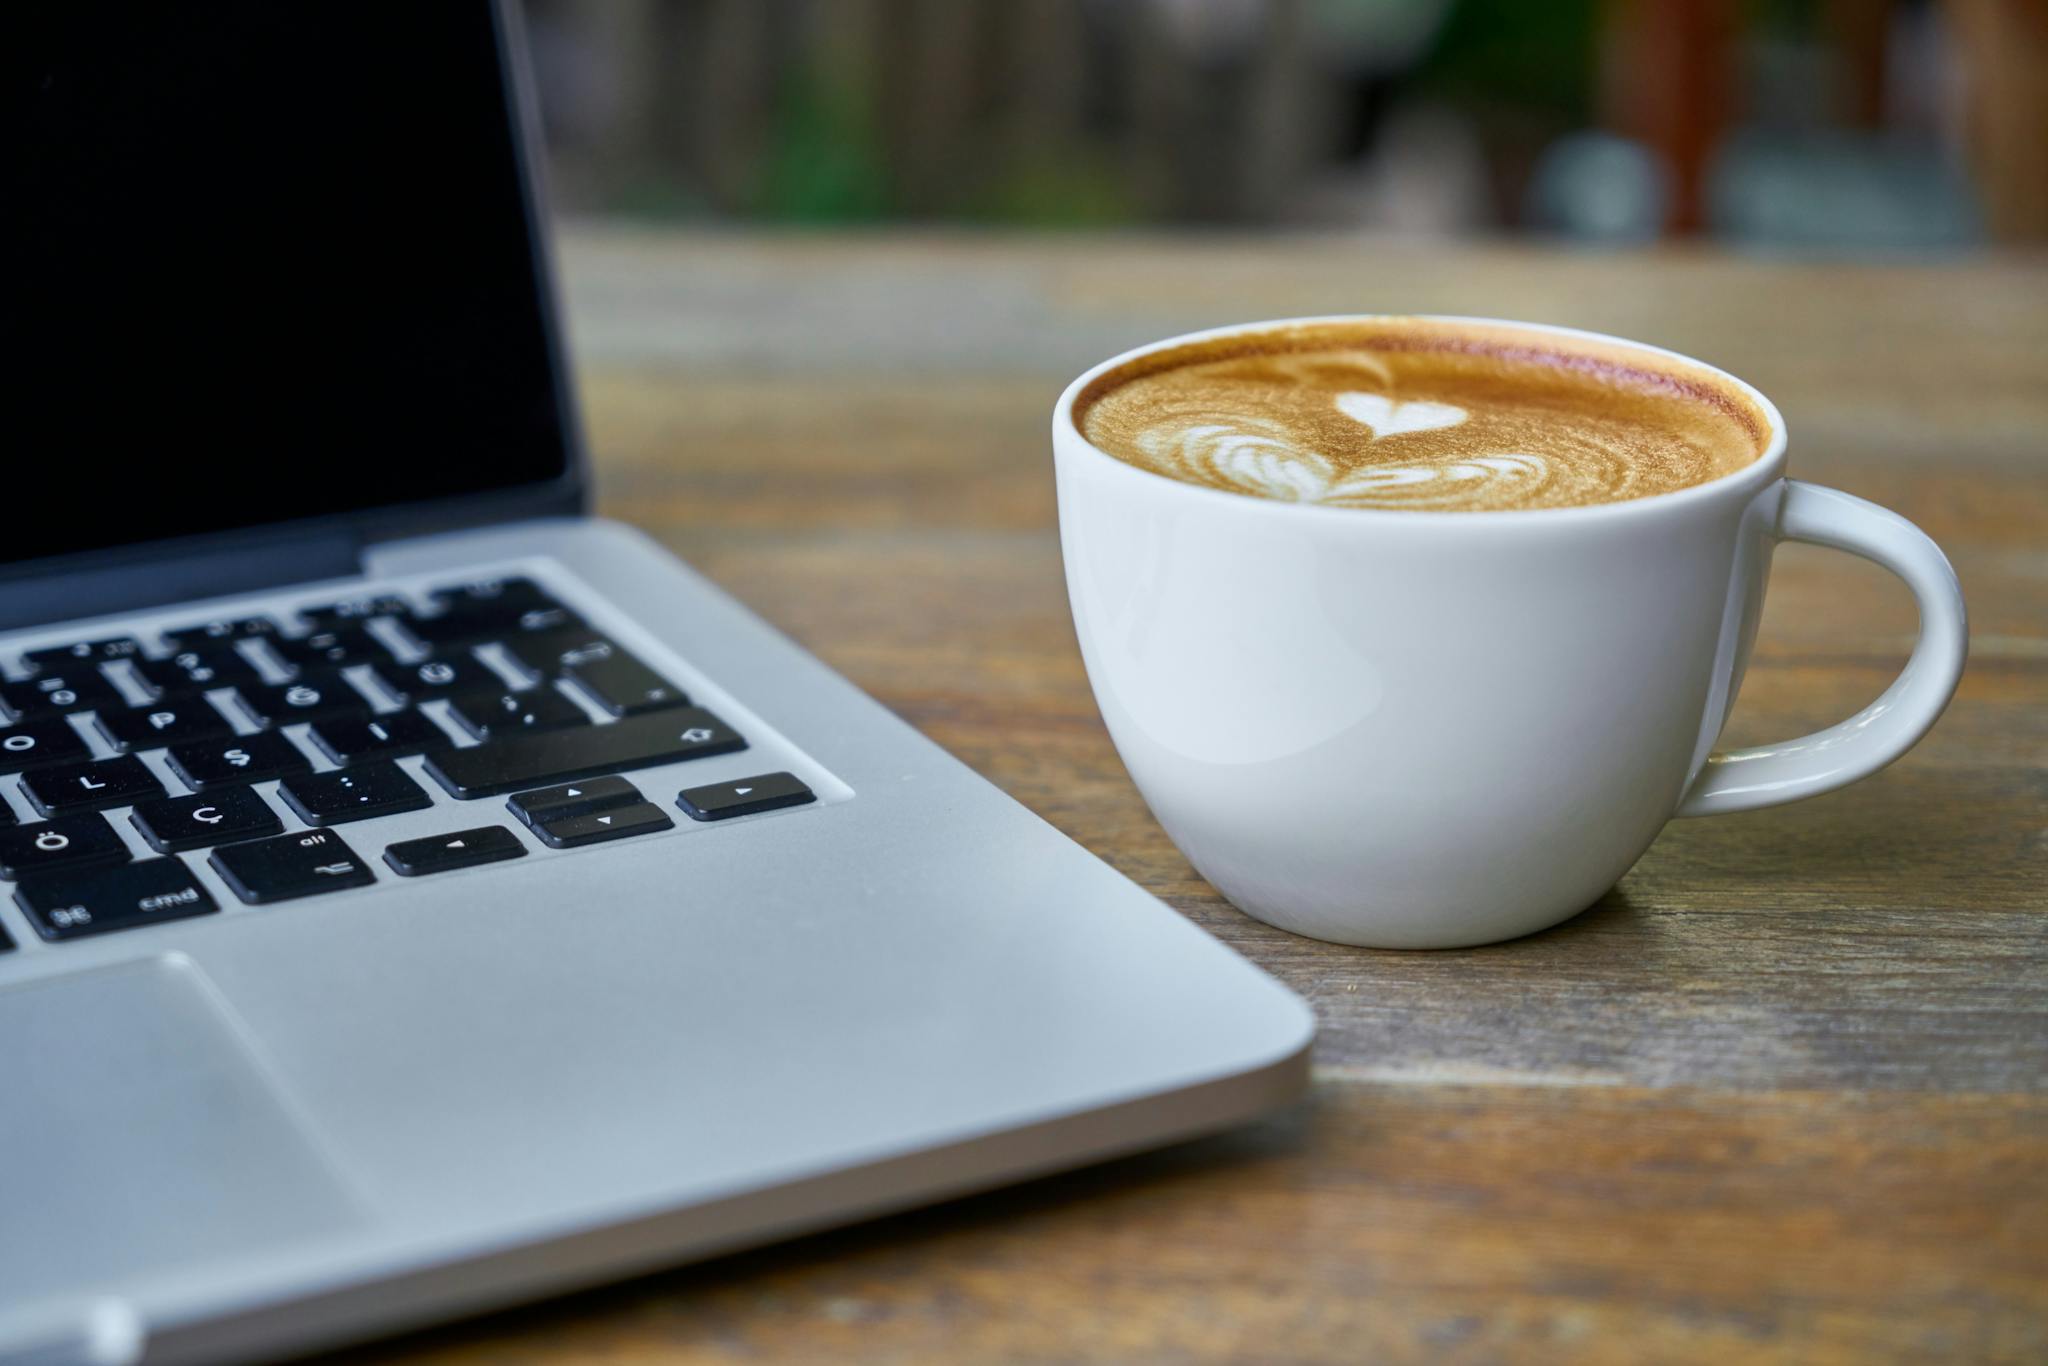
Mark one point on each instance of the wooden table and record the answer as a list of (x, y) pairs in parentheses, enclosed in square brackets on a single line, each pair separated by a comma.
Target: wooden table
[(1780, 1095)]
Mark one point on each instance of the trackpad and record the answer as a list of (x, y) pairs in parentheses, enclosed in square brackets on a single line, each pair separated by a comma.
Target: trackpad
[(141, 1133)]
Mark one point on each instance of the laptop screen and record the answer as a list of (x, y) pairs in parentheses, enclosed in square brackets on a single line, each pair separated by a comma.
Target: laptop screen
[(269, 261)]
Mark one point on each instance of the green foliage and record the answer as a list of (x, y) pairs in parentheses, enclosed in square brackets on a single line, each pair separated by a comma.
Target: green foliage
[(1055, 190), (826, 162), (1538, 54), (1785, 18)]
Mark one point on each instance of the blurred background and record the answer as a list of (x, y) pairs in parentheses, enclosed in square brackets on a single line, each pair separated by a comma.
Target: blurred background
[(1833, 126)]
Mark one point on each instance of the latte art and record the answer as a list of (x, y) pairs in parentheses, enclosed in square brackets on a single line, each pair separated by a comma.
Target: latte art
[(1384, 417), (1265, 462), (1420, 415)]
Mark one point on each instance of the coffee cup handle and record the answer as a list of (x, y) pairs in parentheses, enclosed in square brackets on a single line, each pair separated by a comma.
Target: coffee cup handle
[(1769, 775)]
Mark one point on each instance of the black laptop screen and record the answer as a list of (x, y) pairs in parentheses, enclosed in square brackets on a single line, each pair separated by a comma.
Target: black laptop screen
[(267, 261)]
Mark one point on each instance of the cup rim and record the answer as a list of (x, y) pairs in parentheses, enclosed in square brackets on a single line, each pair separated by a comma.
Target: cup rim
[(1768, 466)]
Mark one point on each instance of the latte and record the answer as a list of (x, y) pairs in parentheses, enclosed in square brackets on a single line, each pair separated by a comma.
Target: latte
[(1423, 414)]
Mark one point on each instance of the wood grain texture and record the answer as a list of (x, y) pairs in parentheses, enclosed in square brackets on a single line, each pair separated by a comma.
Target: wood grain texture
[(1782, 1095)]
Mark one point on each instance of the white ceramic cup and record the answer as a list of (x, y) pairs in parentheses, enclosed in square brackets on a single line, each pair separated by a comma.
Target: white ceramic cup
[(1432, 729)]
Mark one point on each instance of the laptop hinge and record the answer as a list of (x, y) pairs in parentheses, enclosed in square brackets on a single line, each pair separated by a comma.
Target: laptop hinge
[(135, 585)]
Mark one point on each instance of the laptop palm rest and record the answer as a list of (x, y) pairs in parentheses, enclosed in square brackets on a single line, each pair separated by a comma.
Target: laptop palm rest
[(140, 1134)]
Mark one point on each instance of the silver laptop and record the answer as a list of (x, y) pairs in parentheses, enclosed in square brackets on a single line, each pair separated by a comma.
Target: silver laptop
[(418, 894)]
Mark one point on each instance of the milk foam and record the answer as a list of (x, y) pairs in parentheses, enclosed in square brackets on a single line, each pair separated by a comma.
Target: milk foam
[(1372, 419), (1262, 460), (1382, 416)]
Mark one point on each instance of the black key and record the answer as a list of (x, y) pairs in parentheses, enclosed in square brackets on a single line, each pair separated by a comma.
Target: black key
[(360, 608), (95, 900), (547, 617), (93, 785), (208, 632), (459, 622), (573, 799), (444, 677), (34, 743), (513, 592), (350, 740), (82, 688), (622, 685), (744, 797), (445, 853), (205, 765), (302, 863), (173, 721), (543, 653), (474, 625), (308, 699), (67, 842), (582, 752), (171, 824), (372, 789), (331, 647), (616, 823), (59, 658), (512, 713), (196, 671)]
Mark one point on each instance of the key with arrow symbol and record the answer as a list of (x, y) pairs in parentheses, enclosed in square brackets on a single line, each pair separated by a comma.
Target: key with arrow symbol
[(445, 853), (745, 797), (573, 799), (612, 823), (587, 812)]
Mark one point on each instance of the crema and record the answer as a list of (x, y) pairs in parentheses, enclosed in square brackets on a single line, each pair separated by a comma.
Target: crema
[(1422, 414)]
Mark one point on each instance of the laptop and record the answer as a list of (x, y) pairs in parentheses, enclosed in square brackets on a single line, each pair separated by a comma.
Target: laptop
[(420, 895)]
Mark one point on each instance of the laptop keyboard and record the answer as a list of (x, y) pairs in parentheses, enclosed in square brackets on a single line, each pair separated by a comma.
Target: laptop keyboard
[(504, 690)]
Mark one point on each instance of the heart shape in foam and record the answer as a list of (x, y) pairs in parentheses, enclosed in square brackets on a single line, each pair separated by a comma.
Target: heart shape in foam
[(1388, 418)]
